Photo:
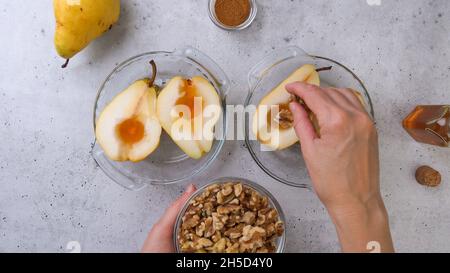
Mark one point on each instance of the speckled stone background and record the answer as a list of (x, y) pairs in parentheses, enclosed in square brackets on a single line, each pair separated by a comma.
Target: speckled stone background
[(52, 192)]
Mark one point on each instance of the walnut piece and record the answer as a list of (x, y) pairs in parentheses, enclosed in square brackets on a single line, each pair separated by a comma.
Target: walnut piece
[(229, 218), (249, 218), (237, 189), (285, 119), (428, 176)]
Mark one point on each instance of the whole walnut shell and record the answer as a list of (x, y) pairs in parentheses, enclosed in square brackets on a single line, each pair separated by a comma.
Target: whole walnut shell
[(428, 176)]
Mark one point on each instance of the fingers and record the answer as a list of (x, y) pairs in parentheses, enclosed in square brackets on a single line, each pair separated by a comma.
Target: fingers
[(169, 217), (352, 96), (322, 100), (303, 125), (313, 96), (159, 239), (340, 99)]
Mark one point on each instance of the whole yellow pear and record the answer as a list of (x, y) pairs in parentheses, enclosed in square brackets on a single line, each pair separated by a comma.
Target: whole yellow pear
[(78, 22)]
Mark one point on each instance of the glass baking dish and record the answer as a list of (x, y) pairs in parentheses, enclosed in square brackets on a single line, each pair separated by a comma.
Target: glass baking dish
[(287, 166), (168, 164)]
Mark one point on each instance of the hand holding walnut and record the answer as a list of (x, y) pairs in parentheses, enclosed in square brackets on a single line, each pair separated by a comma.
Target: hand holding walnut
[(343, 163)]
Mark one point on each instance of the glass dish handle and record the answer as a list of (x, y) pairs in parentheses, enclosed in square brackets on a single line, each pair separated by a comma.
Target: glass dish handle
[(118, 177), (209, 65), (276, 57)]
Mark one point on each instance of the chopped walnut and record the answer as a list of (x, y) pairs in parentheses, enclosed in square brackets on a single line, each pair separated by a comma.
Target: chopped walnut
[(217, 236), (227, 190), (261, 220), (217, 223), (188, 247), (234, 248), (235, 201), (218, 247), (233, 220), (230, 218), (209, 228), (227, 209), (191, 222), (237, 189), (270, 229), (208, 208), (235, 232), (272, 215), (200, 229), (279, 228), (249, 218), (222, 198), (285, 119)]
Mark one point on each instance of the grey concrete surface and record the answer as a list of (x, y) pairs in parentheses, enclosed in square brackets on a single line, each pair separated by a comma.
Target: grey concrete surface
[(52, 192)]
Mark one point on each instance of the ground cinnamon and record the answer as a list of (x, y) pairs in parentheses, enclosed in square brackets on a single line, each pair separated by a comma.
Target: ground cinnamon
[(232, 12)]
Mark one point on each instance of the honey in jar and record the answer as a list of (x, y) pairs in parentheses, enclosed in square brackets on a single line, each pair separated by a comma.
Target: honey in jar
[(429, 124)]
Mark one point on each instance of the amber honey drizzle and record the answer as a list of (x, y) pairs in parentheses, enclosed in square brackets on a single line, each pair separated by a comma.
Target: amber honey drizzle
[(189, 92), (131, 131)]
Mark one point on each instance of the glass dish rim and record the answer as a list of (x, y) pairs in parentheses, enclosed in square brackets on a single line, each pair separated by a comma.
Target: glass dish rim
[(247, 128), (244, 25), (222, 95), (255, 186)]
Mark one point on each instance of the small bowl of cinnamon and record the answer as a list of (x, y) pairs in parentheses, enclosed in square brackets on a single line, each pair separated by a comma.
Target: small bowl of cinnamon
[(232, 14)]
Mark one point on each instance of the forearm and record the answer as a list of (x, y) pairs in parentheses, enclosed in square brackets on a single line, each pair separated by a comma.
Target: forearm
[(362, 224)]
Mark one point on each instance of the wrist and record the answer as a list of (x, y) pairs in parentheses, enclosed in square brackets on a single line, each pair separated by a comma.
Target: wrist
[(372, 210), (361, 223)]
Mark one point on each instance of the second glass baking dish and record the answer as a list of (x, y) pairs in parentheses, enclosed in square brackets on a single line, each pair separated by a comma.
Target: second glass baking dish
[(287, 166)]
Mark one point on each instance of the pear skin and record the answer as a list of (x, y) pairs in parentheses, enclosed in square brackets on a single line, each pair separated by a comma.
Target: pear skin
[(78, 22)]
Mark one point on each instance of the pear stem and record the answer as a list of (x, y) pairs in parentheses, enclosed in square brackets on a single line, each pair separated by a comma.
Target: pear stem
[(324, 69), (66, 63), (154, 72)]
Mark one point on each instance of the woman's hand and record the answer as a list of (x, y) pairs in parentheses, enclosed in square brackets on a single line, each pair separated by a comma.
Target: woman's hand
[(343, 163), (160, 238)]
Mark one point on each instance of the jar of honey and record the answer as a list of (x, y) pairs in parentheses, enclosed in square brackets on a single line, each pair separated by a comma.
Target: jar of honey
[(429, 124)]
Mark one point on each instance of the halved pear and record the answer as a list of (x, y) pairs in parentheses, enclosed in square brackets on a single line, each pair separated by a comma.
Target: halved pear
[(188, 110), (128, 128), (266, 118)]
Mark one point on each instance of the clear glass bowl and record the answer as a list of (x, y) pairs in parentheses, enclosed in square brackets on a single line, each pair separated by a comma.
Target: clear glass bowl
[(244, 25), (168, 164), (287, 166), (273, 203)]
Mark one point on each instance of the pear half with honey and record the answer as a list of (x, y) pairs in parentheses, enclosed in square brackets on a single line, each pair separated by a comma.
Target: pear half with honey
[(188, 110), (267, 124), (128, 127)]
